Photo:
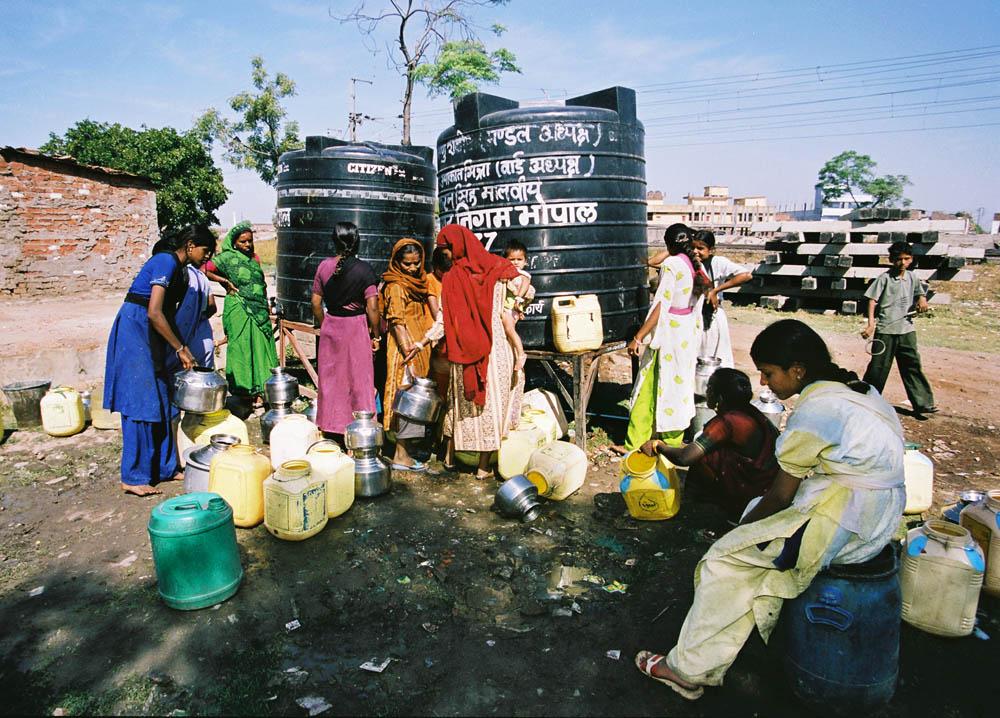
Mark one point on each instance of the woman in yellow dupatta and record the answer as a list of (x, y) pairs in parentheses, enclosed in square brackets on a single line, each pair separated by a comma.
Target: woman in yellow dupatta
[(838, 498), (409, 310)]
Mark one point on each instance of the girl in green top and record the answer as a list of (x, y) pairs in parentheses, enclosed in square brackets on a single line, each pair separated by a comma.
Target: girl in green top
[(246, 320)]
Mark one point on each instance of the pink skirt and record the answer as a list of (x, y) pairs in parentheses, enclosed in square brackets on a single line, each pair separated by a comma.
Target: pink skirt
[(346, 372)]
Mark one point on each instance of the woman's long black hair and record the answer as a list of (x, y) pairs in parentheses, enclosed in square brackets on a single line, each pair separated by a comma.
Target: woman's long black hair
[(346, 241), (173, 239), (678, 238), (789, 341)]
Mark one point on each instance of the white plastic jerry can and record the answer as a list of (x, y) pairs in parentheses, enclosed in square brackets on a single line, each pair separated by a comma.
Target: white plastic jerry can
[(919, 478), (577, 324), (62, 412)]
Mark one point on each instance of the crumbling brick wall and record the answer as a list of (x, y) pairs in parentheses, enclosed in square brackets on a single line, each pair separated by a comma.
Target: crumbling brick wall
[(67, 228)]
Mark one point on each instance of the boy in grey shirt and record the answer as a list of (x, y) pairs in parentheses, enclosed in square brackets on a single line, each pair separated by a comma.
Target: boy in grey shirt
[(891, 296)]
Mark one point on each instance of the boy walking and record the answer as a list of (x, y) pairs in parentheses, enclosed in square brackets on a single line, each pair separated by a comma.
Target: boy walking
[(890, 298)]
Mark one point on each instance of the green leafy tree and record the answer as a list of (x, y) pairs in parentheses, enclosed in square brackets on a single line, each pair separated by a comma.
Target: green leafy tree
[(189, 187), (261, 135), (461, 66), (422, 29), (850, 171)]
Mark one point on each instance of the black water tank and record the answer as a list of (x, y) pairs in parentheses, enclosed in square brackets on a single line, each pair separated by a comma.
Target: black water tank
[(569, 182), (386, 190)]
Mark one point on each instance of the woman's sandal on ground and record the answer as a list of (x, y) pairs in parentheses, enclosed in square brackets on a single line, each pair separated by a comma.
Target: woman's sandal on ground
[(645, 661), (418, 467)]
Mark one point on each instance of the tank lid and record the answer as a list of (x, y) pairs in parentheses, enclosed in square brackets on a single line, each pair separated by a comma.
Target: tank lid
[(331, 147), (471, 109), (189, 514)]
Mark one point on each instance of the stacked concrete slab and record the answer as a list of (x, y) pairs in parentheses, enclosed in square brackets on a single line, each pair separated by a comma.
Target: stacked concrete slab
[(829, 264)]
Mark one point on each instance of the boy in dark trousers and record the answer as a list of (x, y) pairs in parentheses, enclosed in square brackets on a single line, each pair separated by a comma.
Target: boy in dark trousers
[(890, 298)]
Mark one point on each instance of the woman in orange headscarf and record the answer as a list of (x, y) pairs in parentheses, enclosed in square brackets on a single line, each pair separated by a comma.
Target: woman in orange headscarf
[(485, 400), (409, 311)]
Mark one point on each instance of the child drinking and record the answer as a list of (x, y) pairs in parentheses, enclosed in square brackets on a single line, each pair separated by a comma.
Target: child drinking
[(890, 296), (724, 274)]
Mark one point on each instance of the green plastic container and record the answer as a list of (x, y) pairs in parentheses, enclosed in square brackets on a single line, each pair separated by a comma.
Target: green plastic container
[(194, 550)]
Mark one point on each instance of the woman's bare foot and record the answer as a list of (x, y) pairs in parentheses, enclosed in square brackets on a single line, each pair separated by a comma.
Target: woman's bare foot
[(179, 476), (140, 489)]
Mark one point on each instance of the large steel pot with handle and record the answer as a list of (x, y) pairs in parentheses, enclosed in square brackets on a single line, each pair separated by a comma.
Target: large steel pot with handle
[(419, 401), (200, 390)]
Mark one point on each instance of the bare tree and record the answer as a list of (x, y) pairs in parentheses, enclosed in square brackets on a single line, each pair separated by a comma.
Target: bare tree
[(420, 27)]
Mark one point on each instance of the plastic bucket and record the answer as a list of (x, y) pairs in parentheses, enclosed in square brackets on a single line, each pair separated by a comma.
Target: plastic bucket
[(25, 400)]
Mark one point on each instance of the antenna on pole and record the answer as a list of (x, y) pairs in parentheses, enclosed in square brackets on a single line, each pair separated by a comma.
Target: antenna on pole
[(354, 119)]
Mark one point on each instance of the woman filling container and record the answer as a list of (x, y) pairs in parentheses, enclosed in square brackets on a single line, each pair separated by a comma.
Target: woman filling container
[(135, 373), (485, 401), (250, 354), (837, 498), (349, 332), (409, 312)]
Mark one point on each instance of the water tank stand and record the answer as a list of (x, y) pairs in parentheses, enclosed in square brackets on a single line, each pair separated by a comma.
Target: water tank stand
[(286, 337), (585, 369)]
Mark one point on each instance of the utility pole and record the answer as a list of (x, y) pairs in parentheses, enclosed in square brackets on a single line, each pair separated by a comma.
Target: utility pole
[(354, 119)]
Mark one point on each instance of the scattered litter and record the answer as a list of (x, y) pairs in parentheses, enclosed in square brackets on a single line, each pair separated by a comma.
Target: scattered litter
[(348, 531), (293, 625), (59, 712), (272, 698), (428, 662), (980, 634), (216, 607), (373, 667), (539, 691), (575, 608), (37, 591), (658, 554), (403, 580), (594, 579), (296, 676), (631, 561), (491, 643), (65, 554), (470, 511), (536, 530), (127, 561), (314, 705), (429, 627), (563, 612), (232, 618), (616, 587), (614, 655), (57, 480), (564, 580)]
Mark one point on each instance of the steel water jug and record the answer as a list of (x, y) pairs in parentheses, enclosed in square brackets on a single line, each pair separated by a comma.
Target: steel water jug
[(199, 390), (281, 388)]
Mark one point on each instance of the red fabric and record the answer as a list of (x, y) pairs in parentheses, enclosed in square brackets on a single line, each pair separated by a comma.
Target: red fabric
[(467, 296)]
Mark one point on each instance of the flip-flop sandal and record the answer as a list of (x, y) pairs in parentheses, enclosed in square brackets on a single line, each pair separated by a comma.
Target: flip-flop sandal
[(418, 467), (645, 661)]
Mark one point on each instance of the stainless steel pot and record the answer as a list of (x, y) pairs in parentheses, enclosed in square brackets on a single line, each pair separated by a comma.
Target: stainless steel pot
[(702, 415), (518, 499), (275, 414), (770, 406), (703, 371), (364, 432), (371, 476), (198, 461), (199, 390), (418, 402), (281, 388)]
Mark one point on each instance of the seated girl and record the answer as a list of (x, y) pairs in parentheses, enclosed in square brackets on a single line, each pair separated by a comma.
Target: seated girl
[(732, 459), (838, 498)]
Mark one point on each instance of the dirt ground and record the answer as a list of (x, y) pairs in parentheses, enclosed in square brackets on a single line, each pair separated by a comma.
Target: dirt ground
[(458, 597)]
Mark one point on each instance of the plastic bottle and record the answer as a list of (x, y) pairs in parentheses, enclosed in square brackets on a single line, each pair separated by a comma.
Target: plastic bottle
[(62, 412)]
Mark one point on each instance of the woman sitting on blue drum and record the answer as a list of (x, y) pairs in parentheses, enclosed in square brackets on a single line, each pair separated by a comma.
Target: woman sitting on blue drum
[(837, 499)]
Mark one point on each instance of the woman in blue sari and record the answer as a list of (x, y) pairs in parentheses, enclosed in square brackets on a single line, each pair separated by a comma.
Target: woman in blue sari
[(136, 375)]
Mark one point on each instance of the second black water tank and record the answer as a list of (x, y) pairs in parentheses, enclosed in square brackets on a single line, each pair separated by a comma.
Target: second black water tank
[(386, 190), (569, 182)]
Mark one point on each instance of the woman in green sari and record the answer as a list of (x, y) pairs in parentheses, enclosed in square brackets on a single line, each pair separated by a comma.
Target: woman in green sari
[(251, 354)]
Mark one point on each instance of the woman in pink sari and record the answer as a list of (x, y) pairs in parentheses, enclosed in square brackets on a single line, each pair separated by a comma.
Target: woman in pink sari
[(349, 332)]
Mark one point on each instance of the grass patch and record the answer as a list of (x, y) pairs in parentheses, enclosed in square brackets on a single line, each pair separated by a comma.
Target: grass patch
[(127, 699), (267, 250)]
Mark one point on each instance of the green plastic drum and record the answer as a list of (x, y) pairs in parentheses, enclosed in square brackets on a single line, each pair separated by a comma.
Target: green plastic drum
[(194, 550)]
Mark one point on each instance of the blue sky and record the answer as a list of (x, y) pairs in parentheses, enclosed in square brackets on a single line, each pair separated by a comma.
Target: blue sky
[(755, 96)]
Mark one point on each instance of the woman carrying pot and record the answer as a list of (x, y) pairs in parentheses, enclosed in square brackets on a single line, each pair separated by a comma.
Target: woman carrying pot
[(135, 372), (246, 319), (349, 332), (485, 398), (409, 310)]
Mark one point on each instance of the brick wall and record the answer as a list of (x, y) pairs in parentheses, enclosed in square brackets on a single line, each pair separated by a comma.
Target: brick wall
[(66, 228)]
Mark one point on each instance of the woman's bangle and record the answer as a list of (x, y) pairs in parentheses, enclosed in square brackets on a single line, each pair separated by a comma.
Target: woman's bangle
[(179, 350)]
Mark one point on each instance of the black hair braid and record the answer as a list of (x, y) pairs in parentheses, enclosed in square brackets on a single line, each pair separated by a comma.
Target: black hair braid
[(789, 341), (346, 241)]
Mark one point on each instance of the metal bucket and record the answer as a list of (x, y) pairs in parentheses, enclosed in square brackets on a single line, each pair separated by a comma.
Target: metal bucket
[(25, 400)]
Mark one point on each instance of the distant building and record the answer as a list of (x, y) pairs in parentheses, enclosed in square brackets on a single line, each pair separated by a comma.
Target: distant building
[(68, 227), (714, 209), (995, 225)]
